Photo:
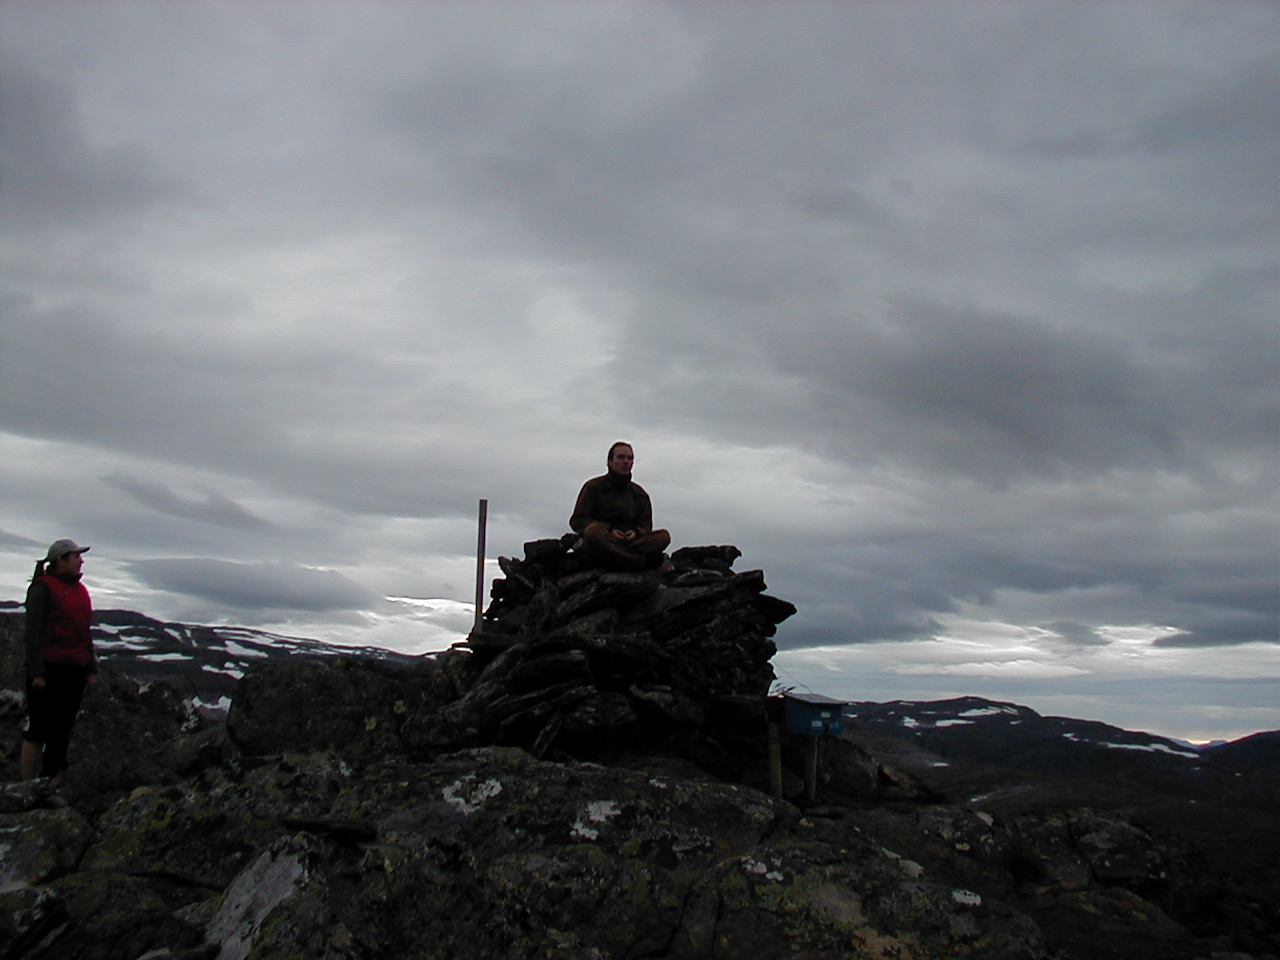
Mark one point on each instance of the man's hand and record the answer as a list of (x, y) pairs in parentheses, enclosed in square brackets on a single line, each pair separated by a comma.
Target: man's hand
[(38, 682), (619, 534)]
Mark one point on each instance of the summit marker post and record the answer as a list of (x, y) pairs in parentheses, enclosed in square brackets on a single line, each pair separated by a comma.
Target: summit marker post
[(482, 524)]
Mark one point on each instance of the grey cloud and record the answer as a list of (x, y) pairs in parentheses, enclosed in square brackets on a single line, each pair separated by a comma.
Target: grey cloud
[(1220, 355), (1238, 112), (52, 173), (8, 539), (836, 202), (1242, 110), (1014, 388), (990, 394), (147, 392), (256, 586), (1209, 626), (1078, 634), (862, 586), (985, 393), (219, 405), (968, 388), (214, 508)]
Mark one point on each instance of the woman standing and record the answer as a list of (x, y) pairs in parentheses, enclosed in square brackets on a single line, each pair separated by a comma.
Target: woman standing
[(60, 658)]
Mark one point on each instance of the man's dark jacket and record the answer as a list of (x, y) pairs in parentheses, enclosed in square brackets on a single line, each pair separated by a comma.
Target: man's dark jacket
[(615, 500)]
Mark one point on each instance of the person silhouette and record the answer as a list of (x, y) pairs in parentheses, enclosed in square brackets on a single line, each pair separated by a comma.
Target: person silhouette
[(614, 516)]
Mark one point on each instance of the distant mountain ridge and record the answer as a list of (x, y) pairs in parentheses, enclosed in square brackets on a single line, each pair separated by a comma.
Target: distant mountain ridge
[(203, 663), (975, 731)]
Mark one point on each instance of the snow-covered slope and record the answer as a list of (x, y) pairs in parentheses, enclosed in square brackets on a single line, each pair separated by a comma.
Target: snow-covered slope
[(202, 662)]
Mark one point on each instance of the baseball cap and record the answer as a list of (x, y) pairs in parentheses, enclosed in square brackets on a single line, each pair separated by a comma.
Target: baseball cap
[(60, 548)]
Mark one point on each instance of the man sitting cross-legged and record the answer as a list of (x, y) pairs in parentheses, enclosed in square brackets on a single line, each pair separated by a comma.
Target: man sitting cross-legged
[(615, 518)]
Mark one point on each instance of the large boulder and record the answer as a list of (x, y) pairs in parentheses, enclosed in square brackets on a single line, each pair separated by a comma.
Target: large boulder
[(359, 705), (491, 853)]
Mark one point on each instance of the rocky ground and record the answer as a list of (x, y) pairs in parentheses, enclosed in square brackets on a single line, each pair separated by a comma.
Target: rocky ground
[(588, 779)]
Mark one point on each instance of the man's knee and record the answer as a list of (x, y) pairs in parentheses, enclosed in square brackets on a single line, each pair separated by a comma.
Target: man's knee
[(595, 533), (660, 539)]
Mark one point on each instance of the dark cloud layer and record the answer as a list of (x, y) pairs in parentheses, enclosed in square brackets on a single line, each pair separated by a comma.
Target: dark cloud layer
[(214, 508), (53, 176), (256, 586), (15, 540)]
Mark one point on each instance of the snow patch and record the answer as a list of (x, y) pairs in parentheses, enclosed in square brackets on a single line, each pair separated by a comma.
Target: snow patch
[(1153, 748), (234, 672), (1144, 747), (117, 644), (988, 712), (222, 703)]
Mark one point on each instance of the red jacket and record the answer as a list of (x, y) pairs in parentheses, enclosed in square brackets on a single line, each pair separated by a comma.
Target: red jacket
[(64, 636)]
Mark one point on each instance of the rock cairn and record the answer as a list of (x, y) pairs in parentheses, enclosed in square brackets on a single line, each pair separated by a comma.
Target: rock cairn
[(580, 661)]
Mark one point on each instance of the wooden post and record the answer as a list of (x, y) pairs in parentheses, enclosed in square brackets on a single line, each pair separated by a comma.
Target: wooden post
[(484, 522), (811, 770), (775, 759)]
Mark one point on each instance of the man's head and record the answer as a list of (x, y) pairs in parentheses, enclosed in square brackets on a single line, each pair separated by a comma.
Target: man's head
[(621, 459)]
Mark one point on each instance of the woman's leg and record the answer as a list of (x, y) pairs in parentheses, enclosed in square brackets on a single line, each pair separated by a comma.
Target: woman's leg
[(64, 687)]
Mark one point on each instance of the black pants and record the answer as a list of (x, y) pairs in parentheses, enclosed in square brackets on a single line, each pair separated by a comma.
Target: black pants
[(51, 711)]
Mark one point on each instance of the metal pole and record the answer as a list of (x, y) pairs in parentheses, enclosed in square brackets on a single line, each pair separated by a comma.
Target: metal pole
[(775, 759), (484, 521)]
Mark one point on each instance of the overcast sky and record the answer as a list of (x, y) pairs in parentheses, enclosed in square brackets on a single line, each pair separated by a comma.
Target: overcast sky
[(959, 320)]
